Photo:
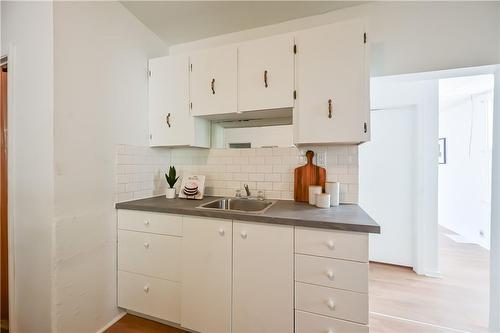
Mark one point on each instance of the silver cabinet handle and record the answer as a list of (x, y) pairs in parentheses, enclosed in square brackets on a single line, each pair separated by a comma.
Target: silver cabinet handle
[(168, 120), (329, 108)]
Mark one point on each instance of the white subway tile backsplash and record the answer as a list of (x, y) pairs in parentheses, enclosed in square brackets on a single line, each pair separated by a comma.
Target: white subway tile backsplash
[(140, 170)]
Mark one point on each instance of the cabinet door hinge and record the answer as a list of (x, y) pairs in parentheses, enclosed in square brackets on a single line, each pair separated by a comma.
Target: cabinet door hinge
[(364, 38), (149, 73), (365, 127), (295, 94), (294, 48)]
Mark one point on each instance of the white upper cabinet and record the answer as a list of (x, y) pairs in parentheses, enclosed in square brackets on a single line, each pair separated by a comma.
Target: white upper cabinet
[(332, 83), (170, 121), (214, 81), (265, 73)]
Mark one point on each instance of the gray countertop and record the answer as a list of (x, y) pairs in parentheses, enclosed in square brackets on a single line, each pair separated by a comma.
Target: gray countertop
[(345, 217)]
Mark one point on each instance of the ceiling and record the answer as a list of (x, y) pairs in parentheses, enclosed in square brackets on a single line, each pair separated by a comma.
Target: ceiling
[(178, 22), (454, 89)]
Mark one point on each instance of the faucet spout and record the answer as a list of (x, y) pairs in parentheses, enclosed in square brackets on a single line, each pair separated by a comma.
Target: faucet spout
[(247, 190)]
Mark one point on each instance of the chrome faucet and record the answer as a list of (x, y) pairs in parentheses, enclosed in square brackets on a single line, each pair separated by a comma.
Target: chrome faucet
[(247, 190)]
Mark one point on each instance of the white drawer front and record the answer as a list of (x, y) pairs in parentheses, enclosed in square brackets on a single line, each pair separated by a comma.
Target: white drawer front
[(334, 273), (154, 297), (333, 244), (331, 302), (158, 223), (149, 254), (312, 323)]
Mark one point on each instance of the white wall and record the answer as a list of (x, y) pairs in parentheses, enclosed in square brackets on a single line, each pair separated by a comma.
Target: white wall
[(406, 37), (465, 179), (27, 38), (101, 54), (403, 91)]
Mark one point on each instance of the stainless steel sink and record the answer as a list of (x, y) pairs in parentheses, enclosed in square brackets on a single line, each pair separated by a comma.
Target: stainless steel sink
[(239, 205)]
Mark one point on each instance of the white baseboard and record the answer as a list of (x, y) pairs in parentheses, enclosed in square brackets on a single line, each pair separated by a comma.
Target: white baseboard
[(114, 320)]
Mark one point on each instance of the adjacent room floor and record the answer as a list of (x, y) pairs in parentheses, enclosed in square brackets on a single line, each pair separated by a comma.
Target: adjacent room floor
[(401, 301)]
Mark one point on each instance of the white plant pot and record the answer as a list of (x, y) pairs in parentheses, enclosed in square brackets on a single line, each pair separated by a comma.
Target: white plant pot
[(170, 193)]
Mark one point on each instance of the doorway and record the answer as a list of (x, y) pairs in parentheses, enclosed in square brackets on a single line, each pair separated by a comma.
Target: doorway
[(431, 260), (4, 262)]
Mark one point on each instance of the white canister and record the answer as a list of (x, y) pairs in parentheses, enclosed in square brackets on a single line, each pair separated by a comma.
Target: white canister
[(323, 200), (313, 190), (333, 188)]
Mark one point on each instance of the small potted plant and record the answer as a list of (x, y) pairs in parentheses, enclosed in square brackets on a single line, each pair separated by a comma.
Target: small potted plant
[(171, 180)]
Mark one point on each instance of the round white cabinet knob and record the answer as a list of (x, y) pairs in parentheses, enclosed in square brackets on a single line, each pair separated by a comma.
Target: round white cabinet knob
[(221, 232), (330, 304), (330, 244), (146, 289), (243, 234), (146, 245), (146, 222), (329, 275)]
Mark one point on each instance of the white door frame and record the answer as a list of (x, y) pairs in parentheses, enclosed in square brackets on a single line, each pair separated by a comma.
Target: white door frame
[(11, 56), (495, 213)]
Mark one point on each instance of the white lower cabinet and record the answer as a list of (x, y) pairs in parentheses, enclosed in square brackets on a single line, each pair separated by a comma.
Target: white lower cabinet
[(262, 278), (221, 276), (206, 275)]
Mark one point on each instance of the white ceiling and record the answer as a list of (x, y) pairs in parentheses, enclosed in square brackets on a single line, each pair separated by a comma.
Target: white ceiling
[(184, 21)]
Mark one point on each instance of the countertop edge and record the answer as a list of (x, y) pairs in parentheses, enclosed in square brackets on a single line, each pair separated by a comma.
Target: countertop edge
[(375, 229)]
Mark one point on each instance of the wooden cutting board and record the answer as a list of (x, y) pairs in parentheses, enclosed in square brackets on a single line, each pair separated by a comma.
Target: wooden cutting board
[(306, 175)]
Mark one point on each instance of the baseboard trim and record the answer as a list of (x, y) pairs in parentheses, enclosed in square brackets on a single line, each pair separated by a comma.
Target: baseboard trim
[(114, 320)]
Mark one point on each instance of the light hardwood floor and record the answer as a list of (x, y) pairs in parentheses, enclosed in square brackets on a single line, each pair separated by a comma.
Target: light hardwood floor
[(402, 301)]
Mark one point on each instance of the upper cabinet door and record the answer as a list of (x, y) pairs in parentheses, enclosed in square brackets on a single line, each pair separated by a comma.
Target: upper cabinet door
[(265, 73), (170, 122), (214, 81), (332, 82)]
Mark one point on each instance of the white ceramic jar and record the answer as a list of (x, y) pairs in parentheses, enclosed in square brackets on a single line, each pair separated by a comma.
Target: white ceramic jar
[(313, 190), (323, 200)]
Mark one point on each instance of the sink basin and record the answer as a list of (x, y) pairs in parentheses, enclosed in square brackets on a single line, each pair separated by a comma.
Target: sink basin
[(239, 205)]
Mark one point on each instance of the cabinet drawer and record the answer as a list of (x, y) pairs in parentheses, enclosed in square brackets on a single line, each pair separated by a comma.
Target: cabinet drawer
[(151, 296), (149, 254), (334, 273), (158, 223), (313, 323), (331, 302), (333, 244)]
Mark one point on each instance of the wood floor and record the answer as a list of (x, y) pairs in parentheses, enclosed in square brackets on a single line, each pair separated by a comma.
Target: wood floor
[(402, 301)]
